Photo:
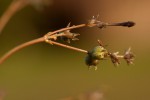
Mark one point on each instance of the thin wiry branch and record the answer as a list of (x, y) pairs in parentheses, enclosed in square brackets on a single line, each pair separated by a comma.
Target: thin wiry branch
[(98, 53), (67, 28), (67, 46), (47, 38)]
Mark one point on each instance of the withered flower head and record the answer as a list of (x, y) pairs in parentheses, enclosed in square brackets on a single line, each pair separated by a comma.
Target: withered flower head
[(67, 35), (129, 56), (115, 58), (93, 22)]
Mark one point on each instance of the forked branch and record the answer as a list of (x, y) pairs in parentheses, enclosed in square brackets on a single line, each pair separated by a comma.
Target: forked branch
[(47, 38), (93, 57)]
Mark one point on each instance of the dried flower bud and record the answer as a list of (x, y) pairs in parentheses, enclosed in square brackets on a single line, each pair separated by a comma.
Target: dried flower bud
[(114, 58), (93, 22), (67, 35), (129, 56), (125, 24)]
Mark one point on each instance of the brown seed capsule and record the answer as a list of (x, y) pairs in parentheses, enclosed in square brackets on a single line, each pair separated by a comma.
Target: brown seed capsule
[(129, 56), (114, 58), (125, 24)]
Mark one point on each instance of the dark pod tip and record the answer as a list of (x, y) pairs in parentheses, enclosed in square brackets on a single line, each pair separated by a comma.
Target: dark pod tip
[(125, 24), (128, 24)]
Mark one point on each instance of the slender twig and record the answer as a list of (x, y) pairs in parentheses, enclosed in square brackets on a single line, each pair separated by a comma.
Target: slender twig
[(67, 28), (14, 7), (46, 38), (8, 54), (66, 46)]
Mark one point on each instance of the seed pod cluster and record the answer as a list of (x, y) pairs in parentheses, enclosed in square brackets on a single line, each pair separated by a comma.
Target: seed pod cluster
[(95, 55)]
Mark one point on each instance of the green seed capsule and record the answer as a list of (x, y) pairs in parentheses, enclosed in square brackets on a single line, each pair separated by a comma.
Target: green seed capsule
[(91, 61), (94, 56), (98, 52)]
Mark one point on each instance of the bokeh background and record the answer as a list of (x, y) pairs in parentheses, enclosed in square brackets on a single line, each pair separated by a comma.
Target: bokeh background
[(46, 72)]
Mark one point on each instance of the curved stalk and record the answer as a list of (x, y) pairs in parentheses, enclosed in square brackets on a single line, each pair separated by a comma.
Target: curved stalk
[(15, 49)]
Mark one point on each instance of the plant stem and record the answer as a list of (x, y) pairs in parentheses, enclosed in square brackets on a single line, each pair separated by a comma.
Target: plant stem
[(8, 54), (14, 7), (43, 39), (67, 28), (69, 47)]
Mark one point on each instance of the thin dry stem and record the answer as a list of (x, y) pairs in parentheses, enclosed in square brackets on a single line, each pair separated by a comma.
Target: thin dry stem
[(8, 54), (66, 46), (46, 38), (14, 7), (67, 28)]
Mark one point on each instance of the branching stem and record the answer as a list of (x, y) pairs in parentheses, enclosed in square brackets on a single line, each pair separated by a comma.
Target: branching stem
[(44, 39), (67, 28), (69, 47)]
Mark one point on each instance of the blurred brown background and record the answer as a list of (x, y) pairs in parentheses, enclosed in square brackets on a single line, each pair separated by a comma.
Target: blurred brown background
[(45, 72)]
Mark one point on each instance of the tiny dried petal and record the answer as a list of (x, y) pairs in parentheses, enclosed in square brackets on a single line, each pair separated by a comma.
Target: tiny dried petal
[(129, 56), (67, 35), (93, 22), (100, 43), (114, 58), (74, 36)]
